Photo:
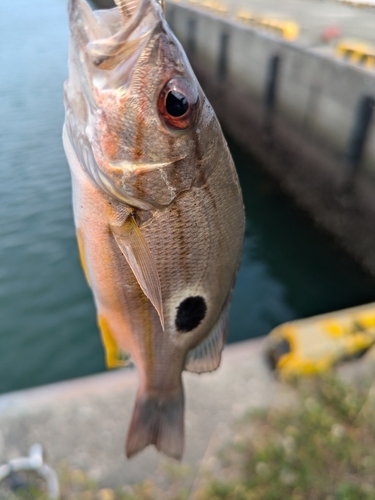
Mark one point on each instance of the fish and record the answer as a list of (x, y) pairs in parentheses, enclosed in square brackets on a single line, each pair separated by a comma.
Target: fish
[(157, 207)]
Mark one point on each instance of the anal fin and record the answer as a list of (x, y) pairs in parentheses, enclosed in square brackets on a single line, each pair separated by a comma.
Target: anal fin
[(206, 356)]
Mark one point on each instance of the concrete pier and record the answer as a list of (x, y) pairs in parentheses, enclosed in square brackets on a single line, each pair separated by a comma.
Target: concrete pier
[(306, 117), (84, 421)]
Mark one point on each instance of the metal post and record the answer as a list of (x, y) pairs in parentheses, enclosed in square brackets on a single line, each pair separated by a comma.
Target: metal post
[(270, 95), (356, 142), (222, 66), (191, 37), (272, 83)]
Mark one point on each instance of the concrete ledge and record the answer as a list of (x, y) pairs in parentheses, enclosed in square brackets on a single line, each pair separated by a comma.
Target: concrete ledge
[(84, 421)]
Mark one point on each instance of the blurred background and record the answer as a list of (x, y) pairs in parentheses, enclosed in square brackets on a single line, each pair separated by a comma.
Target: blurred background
[(292, 267)]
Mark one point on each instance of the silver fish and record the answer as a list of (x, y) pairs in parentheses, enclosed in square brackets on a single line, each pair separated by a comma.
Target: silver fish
[(157, 206)]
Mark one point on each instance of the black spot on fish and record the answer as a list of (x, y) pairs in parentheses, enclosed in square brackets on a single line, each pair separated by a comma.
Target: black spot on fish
[(190, 313)]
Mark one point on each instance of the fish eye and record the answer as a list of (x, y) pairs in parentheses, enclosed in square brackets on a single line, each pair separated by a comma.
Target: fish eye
[(178, 103)]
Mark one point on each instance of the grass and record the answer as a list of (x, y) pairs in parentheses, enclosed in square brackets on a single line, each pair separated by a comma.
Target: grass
[(321, 449), (324, 449)]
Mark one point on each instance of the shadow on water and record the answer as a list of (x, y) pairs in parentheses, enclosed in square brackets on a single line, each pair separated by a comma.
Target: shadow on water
[(47, 319), (289, 269)]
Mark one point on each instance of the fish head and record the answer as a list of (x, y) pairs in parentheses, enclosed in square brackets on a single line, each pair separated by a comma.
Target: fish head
[(135, 106)]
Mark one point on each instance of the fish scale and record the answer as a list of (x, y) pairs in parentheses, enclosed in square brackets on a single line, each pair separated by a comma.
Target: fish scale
[(157, 207)]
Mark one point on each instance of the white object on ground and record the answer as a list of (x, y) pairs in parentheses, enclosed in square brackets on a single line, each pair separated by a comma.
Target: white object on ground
[(34, 462)]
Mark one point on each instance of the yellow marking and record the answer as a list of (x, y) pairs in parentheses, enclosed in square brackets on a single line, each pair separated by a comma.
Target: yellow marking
[(333, 328), (348, 336), (287, 29), (366, 320), (245, 16), (114, 357), (356, 3), (215, 6), (307, 366), (81, 249), (356, 52)]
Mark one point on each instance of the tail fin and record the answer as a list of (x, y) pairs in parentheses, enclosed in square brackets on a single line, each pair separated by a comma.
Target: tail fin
[(158, 421)]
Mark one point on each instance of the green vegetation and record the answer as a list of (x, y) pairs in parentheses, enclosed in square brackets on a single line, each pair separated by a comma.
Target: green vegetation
[(321, 449)]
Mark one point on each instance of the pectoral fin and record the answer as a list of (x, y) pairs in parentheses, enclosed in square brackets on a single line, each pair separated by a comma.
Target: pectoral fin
[(137, 254)]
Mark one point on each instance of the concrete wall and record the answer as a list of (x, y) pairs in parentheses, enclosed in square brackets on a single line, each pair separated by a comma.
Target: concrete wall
[(317, 94), (303, 138)]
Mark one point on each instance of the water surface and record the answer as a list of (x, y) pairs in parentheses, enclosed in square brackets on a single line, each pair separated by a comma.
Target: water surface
[(47, 319)]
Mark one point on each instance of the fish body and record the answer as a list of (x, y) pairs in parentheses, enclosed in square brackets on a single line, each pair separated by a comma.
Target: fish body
[(157, 206)]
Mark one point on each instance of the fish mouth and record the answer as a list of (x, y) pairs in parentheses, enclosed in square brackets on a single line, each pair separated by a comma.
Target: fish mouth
[(137, 20), (107, 38), (106, 43)]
